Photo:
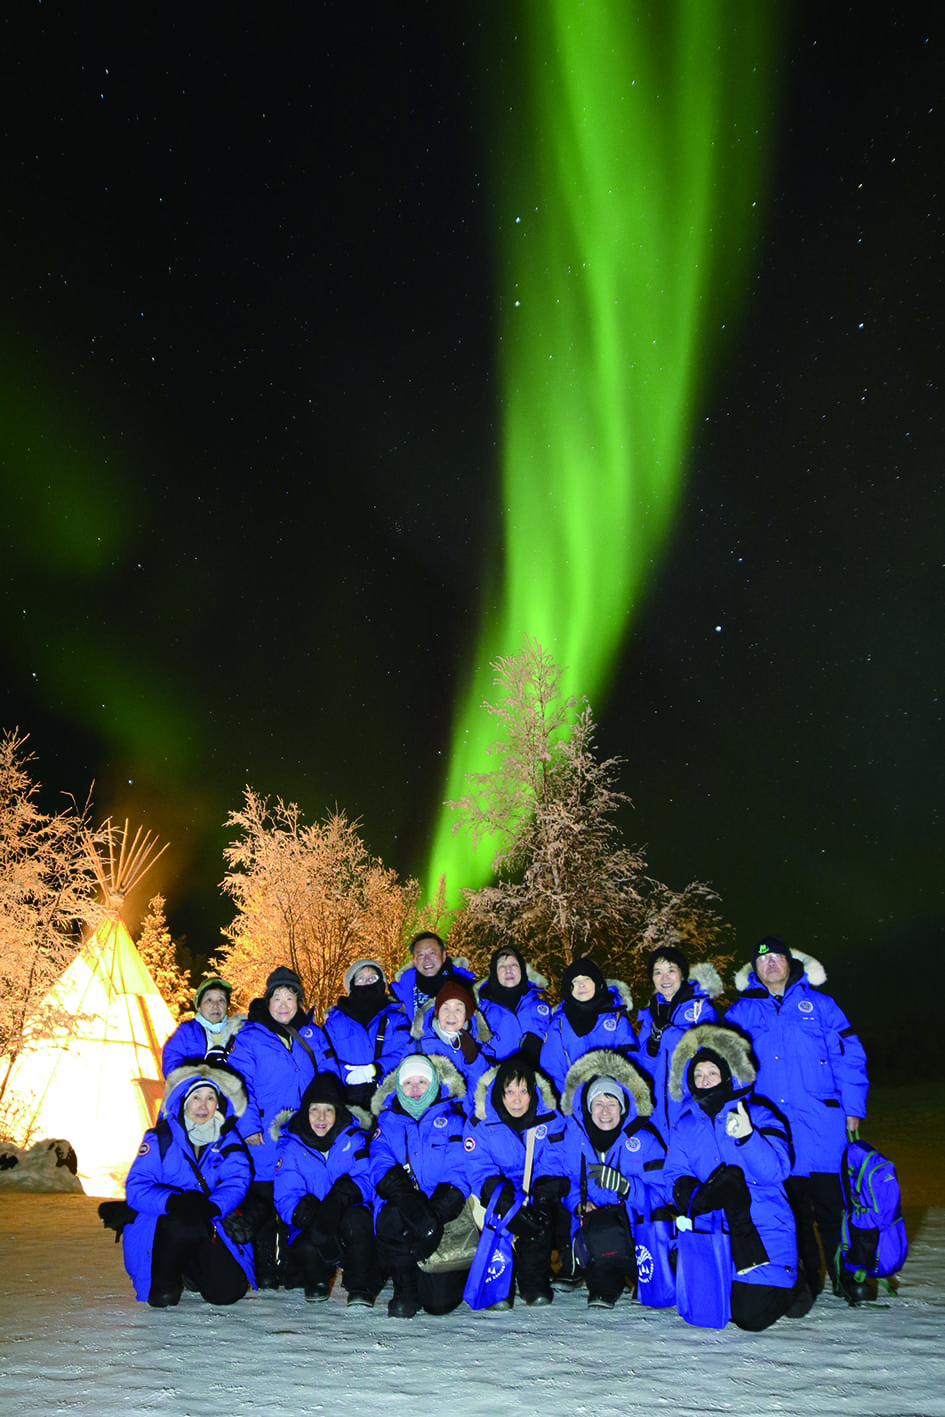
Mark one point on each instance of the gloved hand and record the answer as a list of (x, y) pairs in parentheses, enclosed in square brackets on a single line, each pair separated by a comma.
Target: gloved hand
[(115, 1215), (726, 1189), (505, 1197), (684, 1188), (529, 1223), (738, 1123), (553, 1188), (215, 1056), (238, 1226), (306, 1211), (359, 1073), (447, 1201), (192, 1207), (611, 1179), (653, 1042)]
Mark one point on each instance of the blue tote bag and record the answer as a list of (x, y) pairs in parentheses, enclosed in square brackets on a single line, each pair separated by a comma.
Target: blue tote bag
[(654, 1242), (490, 1274), (704, 1274)]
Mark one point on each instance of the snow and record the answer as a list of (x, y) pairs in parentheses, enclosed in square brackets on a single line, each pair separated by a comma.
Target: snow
[(74, 1340)]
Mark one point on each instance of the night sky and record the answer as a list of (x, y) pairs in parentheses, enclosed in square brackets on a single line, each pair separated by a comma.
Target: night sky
[(250, 433)]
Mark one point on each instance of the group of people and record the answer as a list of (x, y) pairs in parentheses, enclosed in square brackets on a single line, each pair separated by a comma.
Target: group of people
[(286, 1149)]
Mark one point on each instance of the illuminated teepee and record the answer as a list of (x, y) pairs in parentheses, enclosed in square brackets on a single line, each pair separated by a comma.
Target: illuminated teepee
[(96, 1080)]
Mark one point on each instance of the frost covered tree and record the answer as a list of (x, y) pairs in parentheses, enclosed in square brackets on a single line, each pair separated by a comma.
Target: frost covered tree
[(311, 897), (565, 883), (160, 954), (48, 893)]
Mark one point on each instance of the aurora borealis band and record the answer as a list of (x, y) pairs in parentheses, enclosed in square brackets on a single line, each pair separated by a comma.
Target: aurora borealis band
[(630, 150)]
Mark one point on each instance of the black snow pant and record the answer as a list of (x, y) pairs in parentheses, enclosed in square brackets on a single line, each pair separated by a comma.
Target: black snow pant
[(816, 1198), (437, 1293), (533, 1264), (354, 1249), (193, 1253), (758, 1306)]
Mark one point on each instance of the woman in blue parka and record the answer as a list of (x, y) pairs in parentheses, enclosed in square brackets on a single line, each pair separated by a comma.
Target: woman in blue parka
[(323, 1191), (682, 998), (453, 1028), (420, 1182), (729, 1155), (191, 1174), (277, 1053), (592, 1014), (514, 1006), (614, 1154), (367, 1033)]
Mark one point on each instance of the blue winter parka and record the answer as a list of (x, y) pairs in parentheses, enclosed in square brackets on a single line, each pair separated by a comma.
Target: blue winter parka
[(302, 1170), (562, 1046), (495, 1150), (691, 1006), (430, 1147)]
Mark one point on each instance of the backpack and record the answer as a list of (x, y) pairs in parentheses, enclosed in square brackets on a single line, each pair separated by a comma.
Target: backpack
[(873, 1239)]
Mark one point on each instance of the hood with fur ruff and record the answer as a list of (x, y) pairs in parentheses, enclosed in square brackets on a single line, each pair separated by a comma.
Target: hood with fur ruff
[(446, 1071), (359, 1118), (483, 1031), (732, 1046), (484, 1088), (605, 1062), (813, 970), (225, 1080), (531, 977), (708, 978)]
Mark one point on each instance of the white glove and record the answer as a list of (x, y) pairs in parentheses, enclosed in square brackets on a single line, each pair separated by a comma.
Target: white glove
[(738, 1123), (359, 1072)]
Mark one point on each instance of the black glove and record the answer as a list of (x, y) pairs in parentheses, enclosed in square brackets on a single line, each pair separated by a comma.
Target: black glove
[(726, 1189), (447, 1201), (324, 1232), (683, 1191), (506, 1194), (530, 1223), (395, 1184), (611, 1179), (307, 1210), (549, 1188), (115, 1215), (238, 1226), (653, 1042), (192, 1208)]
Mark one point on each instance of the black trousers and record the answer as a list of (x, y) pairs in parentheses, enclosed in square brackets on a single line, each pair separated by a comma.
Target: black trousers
[(758, 1306), (816, 1198), (437, 1293), (199, 1254), (355, 1250)]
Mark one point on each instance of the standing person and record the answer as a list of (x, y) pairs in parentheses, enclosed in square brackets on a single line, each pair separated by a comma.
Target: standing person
[(813, 1067), (324, 1194), (366, 1032), (419, 1175), (417, 985), (452, 1026), (210, 1033), (730, 1153), (591, 1014), (191, 1173), (682, 998), (277, 1053), (514, 1006), (615, 1159), (514, 1113)]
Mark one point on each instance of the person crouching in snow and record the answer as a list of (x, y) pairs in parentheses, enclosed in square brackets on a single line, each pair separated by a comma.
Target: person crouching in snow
[(729, 1152), (515, 1117), (615, 1161), (191, 1173), (453, 1027), (419, 1173), (323, 1191)]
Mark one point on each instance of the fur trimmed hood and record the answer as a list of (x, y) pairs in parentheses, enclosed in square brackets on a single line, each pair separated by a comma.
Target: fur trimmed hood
[(447, 1072), (813, 970), (606, 1062), (623, 992), (732, 1046), (458, 962), (484, 1089), (708, 978), (359, 1118), (227, 1082), (538, 981), (483, 1031)]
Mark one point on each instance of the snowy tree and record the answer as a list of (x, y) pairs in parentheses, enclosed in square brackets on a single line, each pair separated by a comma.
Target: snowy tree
[(48, 892), (566, 885), (161, 955), (310, 897)]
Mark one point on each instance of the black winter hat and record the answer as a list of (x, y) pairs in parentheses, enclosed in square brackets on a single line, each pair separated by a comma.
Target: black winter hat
[(501, 953), (324, 1087), (585, 966), (770, 945), (673, 954), (284, 978)]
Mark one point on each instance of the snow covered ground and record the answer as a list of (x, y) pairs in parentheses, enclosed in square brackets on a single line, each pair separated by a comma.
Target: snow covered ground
[(74, 1340)]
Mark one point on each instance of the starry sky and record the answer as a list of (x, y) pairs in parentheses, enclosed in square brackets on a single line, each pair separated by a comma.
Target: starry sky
[(251, 424)]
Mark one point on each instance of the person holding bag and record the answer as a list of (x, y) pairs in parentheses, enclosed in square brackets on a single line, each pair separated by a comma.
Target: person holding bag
[(728, 1158), (615, 1161)]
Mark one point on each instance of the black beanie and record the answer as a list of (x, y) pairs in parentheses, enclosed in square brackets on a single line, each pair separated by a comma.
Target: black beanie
[(673, 954), (324, 1087), (284, 978), (587, 967), (770, 945)]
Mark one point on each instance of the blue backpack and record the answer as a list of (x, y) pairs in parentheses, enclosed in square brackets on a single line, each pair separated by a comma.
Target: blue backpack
[(873, 1239)]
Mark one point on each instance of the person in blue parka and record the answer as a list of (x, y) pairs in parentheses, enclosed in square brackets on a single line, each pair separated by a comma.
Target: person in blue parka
[(513, 1003), (277, 1052), (514, 1114), (682, 998), (454, 1028), (367, 1034), (591, 1014), (615, 1158), (210, 1033), (323, 1191), (417, 984), (420, 1181), (729, 1155), (190, 1176), (812, 1066)]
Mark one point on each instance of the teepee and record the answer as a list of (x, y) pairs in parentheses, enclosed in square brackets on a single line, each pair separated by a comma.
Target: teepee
[(96, 1081)]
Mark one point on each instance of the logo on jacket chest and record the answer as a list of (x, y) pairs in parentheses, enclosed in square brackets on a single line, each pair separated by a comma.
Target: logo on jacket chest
[(541, 1132), (632, 1143), (806, 1007), (544, 1009), (610, 1024), (439, 1121), (693, 1012)]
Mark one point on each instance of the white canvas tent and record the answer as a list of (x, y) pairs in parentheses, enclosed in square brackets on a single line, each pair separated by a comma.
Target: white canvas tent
[(96, 1080)]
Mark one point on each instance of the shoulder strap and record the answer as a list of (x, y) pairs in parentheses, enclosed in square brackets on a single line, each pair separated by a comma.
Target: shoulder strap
[(198, 1173), (379, 1040), (299, 1039), (529, 1160)]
